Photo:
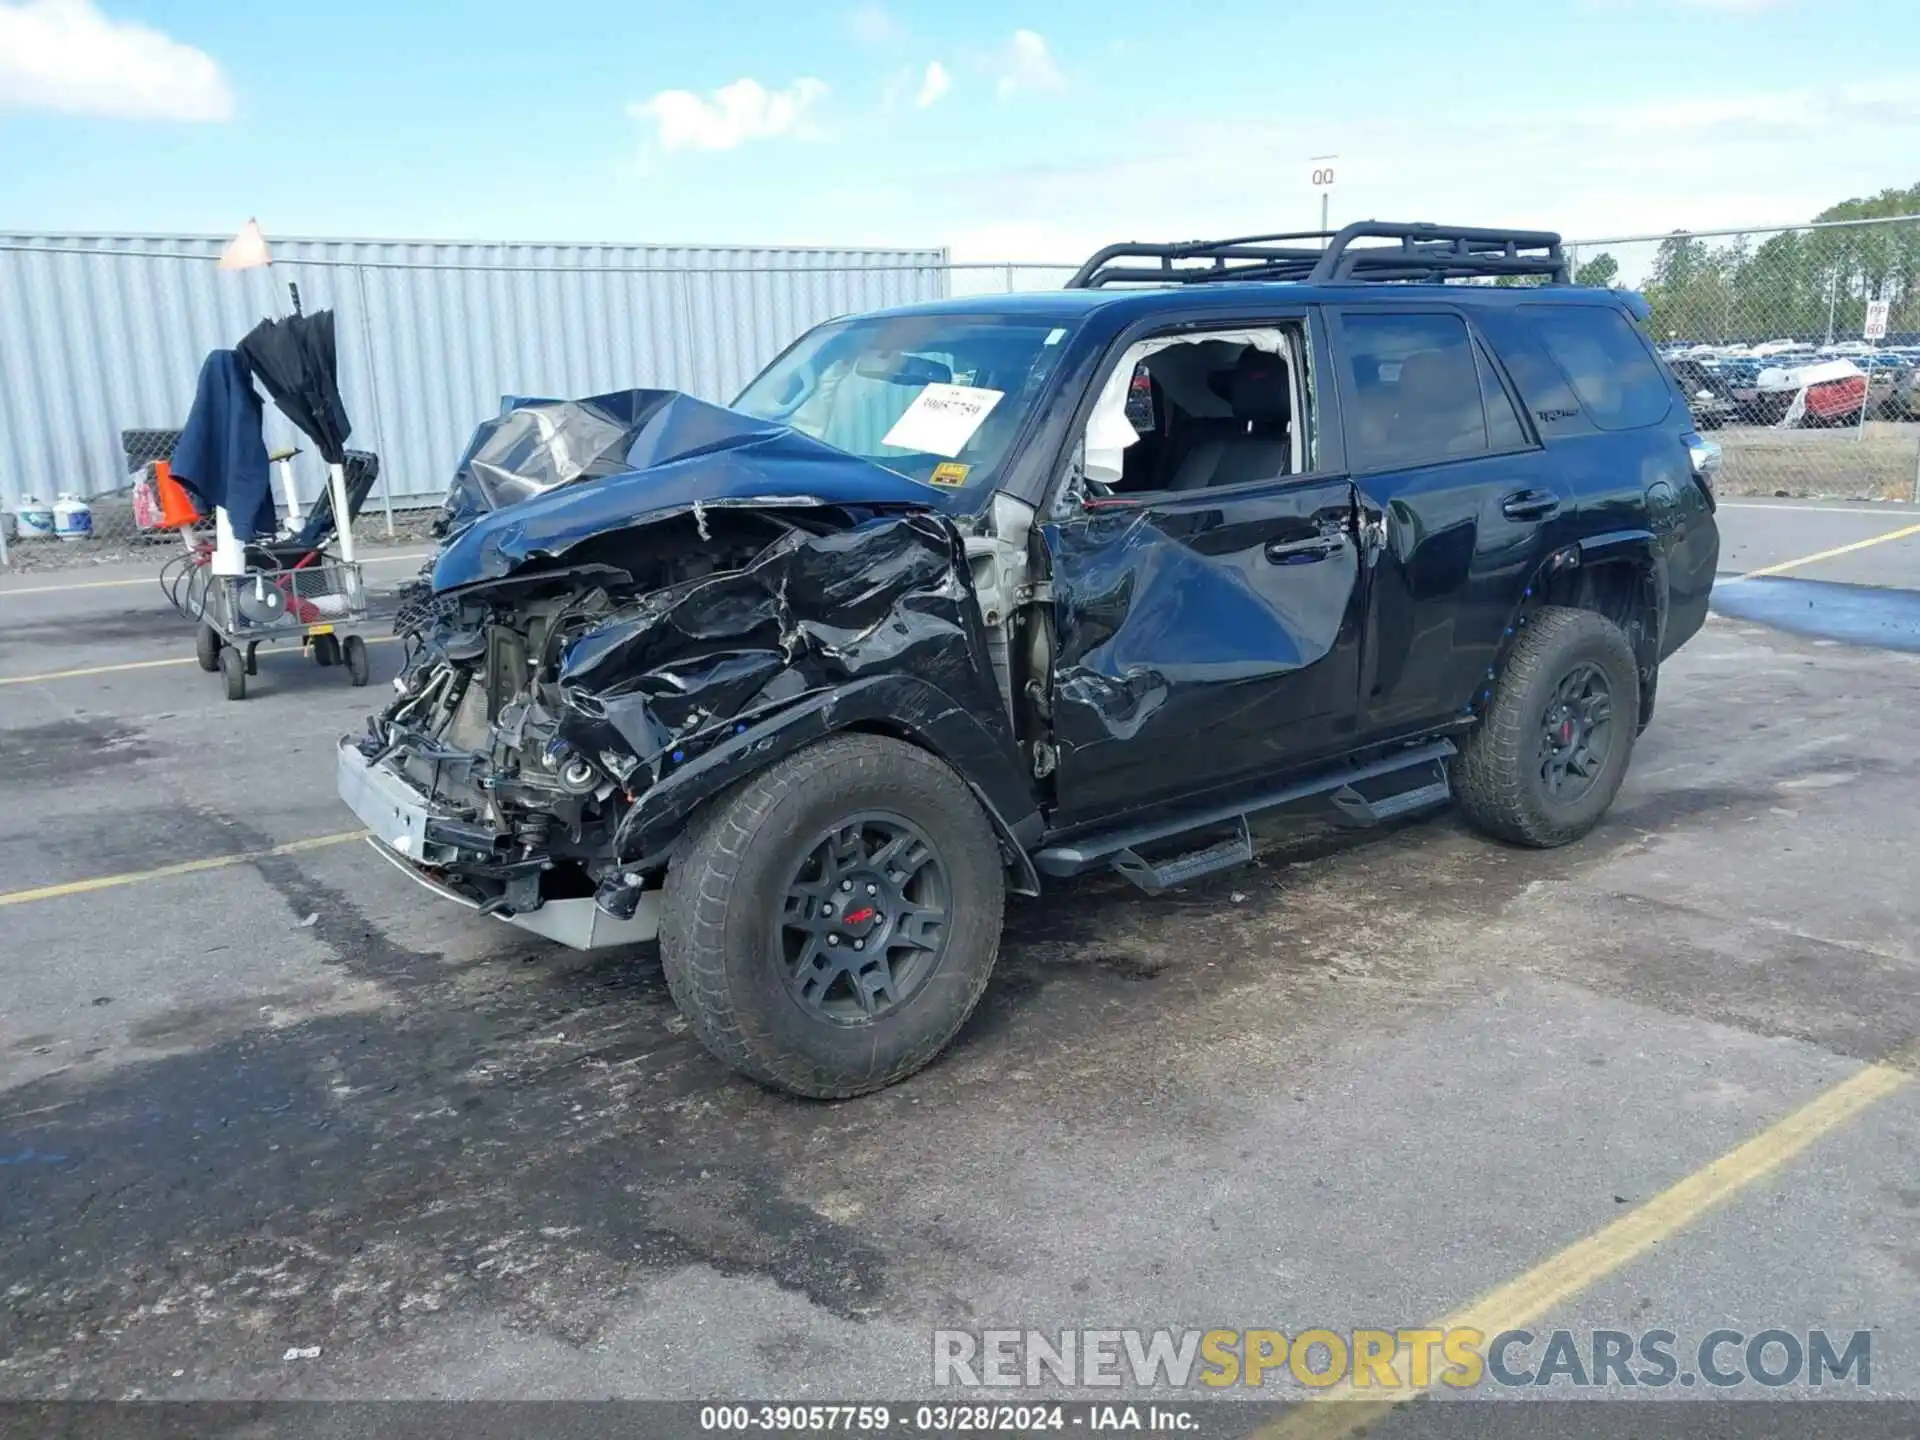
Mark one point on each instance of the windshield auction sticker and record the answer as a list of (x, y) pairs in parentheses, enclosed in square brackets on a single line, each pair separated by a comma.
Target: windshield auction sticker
[(941, 419)]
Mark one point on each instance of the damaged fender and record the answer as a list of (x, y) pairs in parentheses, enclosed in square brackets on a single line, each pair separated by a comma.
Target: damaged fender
[(872, 628), (901, 705)]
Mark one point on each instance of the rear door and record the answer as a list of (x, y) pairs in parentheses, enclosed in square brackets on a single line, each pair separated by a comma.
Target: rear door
[(1455, 498), (1205, 635)]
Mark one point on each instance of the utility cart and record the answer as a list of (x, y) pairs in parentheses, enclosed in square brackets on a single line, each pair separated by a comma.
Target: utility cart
[(306, 588), (244, 589)]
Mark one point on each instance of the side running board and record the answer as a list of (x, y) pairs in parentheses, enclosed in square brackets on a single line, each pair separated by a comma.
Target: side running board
[(1121, 849), (1153, 877)]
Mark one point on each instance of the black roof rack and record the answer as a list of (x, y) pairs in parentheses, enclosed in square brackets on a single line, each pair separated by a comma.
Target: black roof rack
[(1421, 252)]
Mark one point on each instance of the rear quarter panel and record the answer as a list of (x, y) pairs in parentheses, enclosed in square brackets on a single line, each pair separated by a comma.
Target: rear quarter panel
[(1621, 481)]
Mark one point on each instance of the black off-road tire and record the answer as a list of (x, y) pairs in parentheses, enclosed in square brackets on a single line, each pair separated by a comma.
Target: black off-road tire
[(1498, 778), (724, 896)]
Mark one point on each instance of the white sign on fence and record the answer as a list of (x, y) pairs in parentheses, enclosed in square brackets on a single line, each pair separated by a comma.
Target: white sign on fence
[(1876, 320)]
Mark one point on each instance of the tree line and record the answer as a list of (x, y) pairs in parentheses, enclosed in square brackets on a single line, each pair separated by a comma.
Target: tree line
[(1795, 284)]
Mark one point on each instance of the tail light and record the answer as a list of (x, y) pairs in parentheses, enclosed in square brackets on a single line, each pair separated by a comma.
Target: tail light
[(1704, 456)]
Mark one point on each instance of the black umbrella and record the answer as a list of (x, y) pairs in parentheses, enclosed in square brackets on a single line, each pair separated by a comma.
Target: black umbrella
[(296, 361)]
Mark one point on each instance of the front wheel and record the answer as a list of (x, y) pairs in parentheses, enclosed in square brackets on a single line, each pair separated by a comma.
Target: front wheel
[(1550, 751), (233, 669), (834, 920)]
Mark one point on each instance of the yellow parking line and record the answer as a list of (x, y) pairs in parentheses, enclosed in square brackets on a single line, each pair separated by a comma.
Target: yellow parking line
[(1585, 1262), (135, 665), (94, 670), (1899, 534), (165, 872)]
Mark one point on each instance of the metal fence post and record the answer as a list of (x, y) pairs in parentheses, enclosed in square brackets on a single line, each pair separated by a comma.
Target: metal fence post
[(373, 389)]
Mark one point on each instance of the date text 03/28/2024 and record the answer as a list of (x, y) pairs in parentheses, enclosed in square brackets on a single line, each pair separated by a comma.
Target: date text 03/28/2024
[(944, 1419)]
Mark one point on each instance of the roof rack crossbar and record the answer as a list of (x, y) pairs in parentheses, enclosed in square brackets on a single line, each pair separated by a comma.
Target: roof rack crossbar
[(1423, 252)]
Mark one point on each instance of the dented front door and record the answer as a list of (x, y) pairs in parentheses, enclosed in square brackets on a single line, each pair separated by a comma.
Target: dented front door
[(1202, 638)]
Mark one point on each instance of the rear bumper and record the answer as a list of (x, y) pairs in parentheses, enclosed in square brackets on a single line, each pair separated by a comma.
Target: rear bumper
[(1692, 561), (402, 823)]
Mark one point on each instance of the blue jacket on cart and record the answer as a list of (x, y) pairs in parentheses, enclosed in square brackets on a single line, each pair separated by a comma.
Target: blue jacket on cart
[(221, 455)]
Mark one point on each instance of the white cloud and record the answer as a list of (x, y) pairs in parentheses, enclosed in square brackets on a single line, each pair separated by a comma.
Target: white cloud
[(732, 115), (1027, 64), (935, 83), (1722, 157), (66, 55), (872, 25)]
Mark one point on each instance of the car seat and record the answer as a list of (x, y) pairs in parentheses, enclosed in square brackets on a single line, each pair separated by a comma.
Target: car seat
[(1258, 444)]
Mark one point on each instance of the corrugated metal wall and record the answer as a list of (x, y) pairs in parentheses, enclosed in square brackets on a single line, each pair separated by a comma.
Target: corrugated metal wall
[(104, 333)]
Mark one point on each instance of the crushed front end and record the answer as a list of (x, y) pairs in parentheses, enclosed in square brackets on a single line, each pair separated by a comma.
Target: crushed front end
[(553, 728)]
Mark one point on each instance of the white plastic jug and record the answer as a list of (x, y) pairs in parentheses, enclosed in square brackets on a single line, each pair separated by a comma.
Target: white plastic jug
[(72, 518), (34, 519)]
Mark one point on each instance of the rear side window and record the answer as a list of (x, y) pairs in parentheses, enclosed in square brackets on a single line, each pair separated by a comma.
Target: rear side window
[(1415, 389), (1607, 363), (1504, 430)]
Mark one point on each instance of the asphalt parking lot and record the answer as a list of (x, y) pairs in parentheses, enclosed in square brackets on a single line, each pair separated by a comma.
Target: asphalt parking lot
[(284, 1099)]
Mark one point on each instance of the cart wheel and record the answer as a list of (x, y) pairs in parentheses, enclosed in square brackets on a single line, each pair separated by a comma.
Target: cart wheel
[(234, 666), (206, 648), (253, 658), (326, 649), (356, 652)]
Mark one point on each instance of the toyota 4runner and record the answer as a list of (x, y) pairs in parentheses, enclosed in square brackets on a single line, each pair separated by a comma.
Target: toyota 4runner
[(967, 594)]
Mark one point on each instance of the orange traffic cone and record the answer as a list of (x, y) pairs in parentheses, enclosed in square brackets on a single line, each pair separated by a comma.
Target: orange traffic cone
[(176, 505)]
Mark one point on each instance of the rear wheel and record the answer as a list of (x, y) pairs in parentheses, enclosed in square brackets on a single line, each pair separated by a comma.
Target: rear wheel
[(1552, 748), (835, 920), (326, 649), (206, 647), (355, 653)]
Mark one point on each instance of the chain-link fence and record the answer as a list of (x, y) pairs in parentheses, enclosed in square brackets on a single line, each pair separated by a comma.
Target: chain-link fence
[(1768, 331), (100, 342)]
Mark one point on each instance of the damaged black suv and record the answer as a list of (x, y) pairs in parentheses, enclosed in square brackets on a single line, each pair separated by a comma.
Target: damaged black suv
[(961, 595)]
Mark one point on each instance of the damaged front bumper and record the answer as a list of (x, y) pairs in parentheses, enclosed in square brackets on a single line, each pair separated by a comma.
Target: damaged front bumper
[(420, 838)]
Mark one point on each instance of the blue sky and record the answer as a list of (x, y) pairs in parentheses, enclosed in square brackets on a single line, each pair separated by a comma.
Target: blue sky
[(1046, 129)]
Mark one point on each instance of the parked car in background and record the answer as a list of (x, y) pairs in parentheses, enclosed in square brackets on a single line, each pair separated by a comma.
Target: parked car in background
[(1902, 401), (1814, 392), (1709, 398), (1742, 379), (1889, 386)]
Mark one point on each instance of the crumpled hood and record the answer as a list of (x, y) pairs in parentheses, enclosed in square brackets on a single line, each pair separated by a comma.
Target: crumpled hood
[(544, 475)]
